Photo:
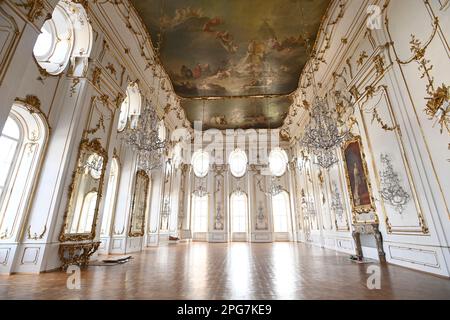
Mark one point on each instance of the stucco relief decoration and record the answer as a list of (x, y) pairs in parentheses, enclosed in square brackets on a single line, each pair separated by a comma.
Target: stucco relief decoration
[(218, 220), (438, 105), (336, 202), (35, 8), (391, 190), (261, 219)]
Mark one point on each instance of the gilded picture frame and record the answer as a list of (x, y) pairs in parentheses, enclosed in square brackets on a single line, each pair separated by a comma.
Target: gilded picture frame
[(357, 177)]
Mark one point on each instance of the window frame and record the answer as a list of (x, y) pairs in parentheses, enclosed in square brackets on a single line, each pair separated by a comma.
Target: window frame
[(234, 155), (195, 216), (76, 44), (19, 185), (287, 215), (245, 215), (19, 146)]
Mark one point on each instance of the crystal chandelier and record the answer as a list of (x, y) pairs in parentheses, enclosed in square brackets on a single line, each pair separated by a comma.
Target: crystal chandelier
[(274, 188), (324, 133), (143, 136)]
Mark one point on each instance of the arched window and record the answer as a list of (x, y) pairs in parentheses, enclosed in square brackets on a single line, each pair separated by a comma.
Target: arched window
[(281, 212), (200, 213), (131, 106), (278, 161), (200, 163), (110, 199), (9, 142), (22, 144), (68, 34), (238, 163), (239, 212), (86, 217)]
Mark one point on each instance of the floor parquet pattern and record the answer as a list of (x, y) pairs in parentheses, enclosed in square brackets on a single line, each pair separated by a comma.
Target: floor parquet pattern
[(230, 271)]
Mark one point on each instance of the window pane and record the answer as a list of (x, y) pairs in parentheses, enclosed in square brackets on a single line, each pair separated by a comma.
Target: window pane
[(200, 213), (11, 129), (200, 162), (239, 213), (44, 42), (280, 209), (9, 148), (238, 163), (278, 161)]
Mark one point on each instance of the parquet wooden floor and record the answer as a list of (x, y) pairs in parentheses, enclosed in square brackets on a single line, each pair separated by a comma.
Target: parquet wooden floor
[(230, 271)]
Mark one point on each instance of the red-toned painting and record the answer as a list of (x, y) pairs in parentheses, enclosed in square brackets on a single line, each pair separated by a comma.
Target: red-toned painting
[(357, 176)]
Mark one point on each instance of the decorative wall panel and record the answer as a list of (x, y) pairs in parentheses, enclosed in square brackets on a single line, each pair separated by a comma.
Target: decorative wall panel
[(9, 34)]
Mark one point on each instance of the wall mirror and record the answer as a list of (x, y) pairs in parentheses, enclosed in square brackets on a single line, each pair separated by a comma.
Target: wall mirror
[(85, 192), (139, 204)]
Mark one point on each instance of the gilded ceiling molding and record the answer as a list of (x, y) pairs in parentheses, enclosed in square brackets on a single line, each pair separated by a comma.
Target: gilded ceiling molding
[(35, 8)]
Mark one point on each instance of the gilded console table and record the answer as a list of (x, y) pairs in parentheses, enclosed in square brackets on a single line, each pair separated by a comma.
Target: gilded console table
[(77, 253), (368, 229)]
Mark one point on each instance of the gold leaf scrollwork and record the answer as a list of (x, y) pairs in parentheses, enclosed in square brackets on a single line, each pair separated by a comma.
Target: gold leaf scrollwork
[(4, 235), (36, 236), (438, 103), (376, 117), (438, 106), (118, 233), (96, 77), (73, 87), (35, 8), (100, 125), (31, 100)]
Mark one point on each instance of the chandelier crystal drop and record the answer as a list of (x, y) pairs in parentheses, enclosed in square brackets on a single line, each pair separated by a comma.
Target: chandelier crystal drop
[(274, 188), (142, 135), (324, 133)]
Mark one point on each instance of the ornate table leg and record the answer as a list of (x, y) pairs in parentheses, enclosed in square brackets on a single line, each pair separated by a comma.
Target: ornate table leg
[(379, 239), (357, 238)]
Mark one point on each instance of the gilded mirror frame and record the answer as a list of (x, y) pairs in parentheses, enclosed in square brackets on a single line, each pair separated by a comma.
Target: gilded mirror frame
[(86, 146), (140, 174)]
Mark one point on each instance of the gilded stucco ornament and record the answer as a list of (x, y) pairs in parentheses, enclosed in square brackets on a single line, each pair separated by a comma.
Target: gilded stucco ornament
[(438, 107), (35, 8), (31, 100), (35, 236), (438, 104)]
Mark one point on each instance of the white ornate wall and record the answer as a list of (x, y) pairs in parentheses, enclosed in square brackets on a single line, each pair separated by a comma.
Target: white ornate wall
[(377, 66), (381, 69), (75, 105)]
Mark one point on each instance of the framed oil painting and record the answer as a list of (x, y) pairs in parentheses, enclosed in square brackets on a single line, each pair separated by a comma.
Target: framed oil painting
[(357, 177)]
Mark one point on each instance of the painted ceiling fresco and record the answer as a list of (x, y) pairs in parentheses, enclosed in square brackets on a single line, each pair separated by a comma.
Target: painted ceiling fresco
[(248, 113), (233, 48)]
